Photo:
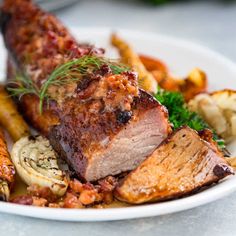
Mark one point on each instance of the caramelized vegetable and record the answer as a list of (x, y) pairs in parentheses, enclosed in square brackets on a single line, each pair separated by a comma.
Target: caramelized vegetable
[(153, 64), (195, 83), (10, 119), (7, 170), (4, 190), (131, 58), (36, 163), (161, 73)]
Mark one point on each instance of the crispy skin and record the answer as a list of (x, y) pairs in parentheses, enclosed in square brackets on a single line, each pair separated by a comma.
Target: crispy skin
[(92, 119), (7, 170), (179, 166)]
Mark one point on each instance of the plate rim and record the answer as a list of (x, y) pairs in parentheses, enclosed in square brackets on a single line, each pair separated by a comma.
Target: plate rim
[(185, 43), (114, 214), (224, 188)]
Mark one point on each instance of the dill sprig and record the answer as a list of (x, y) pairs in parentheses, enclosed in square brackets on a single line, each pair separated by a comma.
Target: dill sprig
[(22, 85), (71, 71), (180, 115)]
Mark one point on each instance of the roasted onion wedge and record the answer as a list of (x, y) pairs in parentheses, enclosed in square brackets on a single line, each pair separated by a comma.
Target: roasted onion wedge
[(36, 163)]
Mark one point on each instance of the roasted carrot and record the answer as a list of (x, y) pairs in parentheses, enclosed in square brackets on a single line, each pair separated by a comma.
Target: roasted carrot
[(153, 64), (160, 72), (193, 84), (7, 170)]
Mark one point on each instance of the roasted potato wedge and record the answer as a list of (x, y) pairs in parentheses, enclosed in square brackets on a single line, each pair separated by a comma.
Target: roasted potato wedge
[(195, 83)]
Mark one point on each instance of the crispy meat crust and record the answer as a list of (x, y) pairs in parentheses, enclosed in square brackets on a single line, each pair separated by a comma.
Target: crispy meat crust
[(87, 138)]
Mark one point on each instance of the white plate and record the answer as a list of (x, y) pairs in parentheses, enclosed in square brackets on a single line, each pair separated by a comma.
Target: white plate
[(181, 57), (52, 5)]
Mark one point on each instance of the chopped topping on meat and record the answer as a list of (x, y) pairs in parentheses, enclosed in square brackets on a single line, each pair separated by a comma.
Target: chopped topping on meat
[(23, 200), (117, 91)]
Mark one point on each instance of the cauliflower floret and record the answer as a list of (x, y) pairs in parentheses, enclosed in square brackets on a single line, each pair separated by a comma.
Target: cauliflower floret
[(219, 110)]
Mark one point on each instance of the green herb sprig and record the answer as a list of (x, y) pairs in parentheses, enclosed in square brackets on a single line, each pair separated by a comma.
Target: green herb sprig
[(22, 86), (71, 71), (180, 115)]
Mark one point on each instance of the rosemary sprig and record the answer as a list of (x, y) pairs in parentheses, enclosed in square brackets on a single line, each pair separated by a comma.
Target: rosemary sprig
[(71, 71)]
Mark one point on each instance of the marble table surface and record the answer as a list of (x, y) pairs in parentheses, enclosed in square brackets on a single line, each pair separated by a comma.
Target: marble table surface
[(210, 23)]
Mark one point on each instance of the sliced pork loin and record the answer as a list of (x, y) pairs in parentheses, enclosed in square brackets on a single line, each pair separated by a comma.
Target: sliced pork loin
[(182, 164), (122, 150), (102, 124)]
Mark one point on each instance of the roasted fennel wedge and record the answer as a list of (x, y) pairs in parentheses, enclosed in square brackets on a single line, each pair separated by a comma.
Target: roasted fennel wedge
[(4, 190), (36, 163)]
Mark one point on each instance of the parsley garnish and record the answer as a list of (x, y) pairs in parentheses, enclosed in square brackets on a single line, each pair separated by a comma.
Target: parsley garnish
[(180, 115)]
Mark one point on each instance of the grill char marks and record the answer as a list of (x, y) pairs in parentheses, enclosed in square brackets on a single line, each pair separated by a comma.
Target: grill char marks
[(182, 164)]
